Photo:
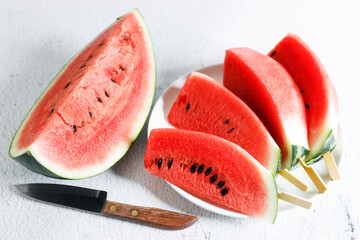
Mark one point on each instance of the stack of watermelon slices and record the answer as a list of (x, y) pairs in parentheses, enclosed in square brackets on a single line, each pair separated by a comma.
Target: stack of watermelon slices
[(205, 105), (272, 112), (317, 90)]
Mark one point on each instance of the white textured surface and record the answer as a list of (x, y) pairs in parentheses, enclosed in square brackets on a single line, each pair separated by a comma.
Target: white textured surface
[(38, 37)]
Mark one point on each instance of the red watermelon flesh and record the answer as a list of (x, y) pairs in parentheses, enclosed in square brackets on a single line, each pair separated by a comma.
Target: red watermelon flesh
[(268, 89), (317, 90), (205, 105), (214, 169), (94, 109)]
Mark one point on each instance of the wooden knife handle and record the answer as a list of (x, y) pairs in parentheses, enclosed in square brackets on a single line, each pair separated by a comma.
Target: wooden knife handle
[(154, 217)]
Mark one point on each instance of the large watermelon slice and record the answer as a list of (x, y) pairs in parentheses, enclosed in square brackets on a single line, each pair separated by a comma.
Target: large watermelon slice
[(93, 110), (213, 169), (268, 89), (317, 90), (205, 105)]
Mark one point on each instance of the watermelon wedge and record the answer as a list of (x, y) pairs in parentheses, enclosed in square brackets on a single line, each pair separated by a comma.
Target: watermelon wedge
[(93, 110), (205, 105), (268, 89), (317, 90), (212, 169)]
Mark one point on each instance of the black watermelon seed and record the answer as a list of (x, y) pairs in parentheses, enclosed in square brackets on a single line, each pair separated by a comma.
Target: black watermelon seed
[(230, 130), (67, 84), (208, 171), (90, 57), (159, 162), (101, 44), (82, 66), (99, 99), (306, 105), (193, 168), (90, 114), (188, 106), (224, 191), (200, 168), (126, 38), (227, 121), (220, 184), (302, 91), (107, 94), (213, 178), (122, 68), (273, 53), (52, 110), (74, 128), (113, 80), (170, 163)]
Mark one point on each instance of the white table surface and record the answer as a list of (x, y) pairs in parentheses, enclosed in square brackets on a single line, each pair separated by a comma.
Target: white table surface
[(38, 37)]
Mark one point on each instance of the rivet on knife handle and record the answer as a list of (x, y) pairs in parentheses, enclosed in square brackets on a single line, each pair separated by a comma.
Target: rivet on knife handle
[(150, 216)]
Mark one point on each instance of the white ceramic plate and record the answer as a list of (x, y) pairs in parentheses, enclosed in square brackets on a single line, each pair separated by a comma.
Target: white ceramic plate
[(158, 119)]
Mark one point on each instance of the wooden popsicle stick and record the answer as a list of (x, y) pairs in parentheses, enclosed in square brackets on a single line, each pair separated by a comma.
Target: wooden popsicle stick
[(331, 166), (314, 176), (299, 201), (294, 180)]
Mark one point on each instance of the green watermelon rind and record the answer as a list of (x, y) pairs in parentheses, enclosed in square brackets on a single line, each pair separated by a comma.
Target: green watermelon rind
[(328, 146), (298, 152), (27, 159), (270, 183), (277, 203), (278, 166)]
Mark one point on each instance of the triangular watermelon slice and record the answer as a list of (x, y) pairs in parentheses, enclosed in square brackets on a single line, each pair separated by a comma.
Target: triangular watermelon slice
[(268, 89), (86, 120), (205, 105), (317, 90), (214, 170)]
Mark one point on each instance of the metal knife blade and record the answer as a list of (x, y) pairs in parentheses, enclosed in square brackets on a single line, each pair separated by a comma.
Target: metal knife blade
[(95, 201), (70, 196)]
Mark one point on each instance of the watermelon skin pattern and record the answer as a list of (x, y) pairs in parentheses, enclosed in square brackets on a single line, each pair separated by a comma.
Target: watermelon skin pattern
[(28, 161), (74, 130), (317, 91), (205, 105), (268, 89), (212, 169), (328, 146)]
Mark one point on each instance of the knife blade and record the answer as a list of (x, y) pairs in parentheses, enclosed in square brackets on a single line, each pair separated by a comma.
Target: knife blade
[(96, 201)]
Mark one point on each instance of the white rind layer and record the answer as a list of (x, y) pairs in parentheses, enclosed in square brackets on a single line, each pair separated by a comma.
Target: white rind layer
[(331, 124), (295, 135), (274, 156), (82, 172)]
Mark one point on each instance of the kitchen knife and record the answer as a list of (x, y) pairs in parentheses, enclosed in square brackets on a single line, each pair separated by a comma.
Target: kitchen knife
[(95, 201)]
